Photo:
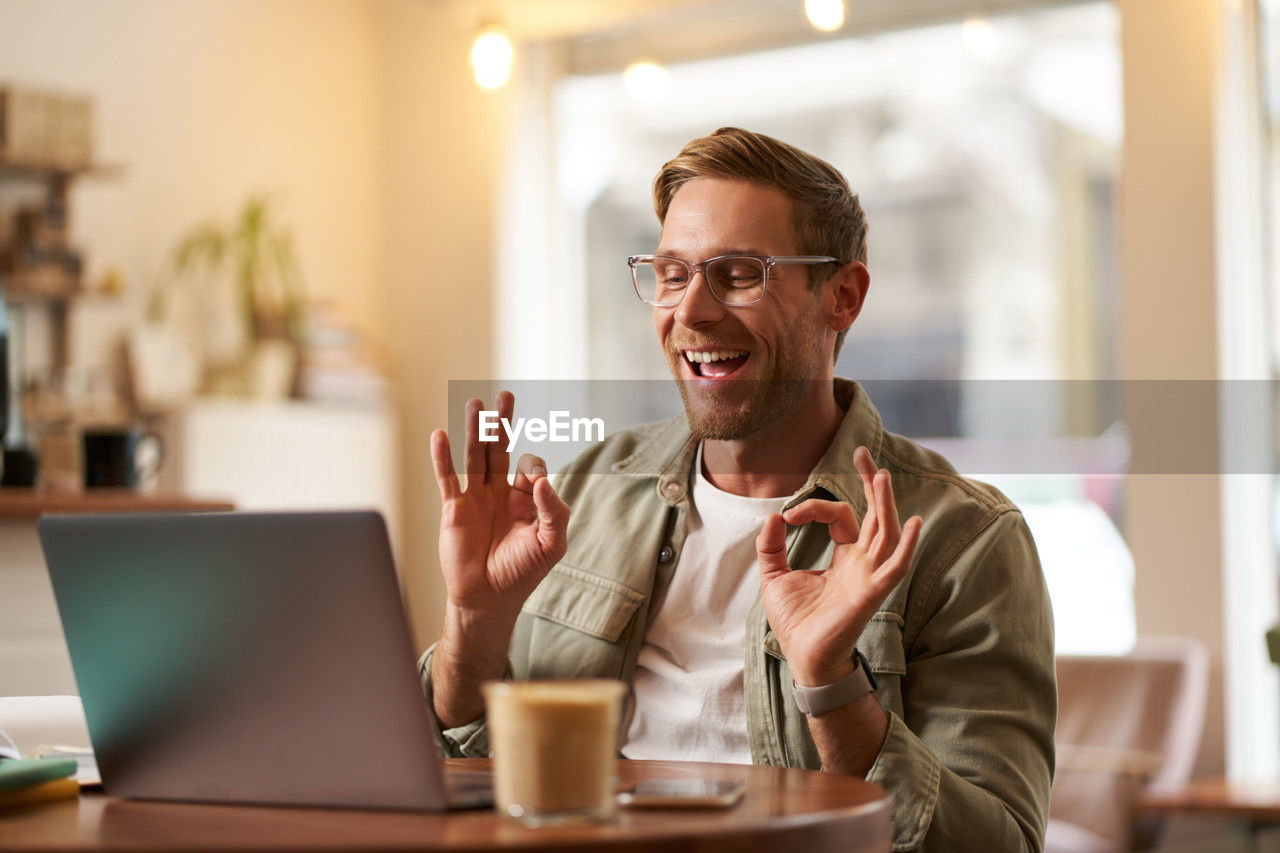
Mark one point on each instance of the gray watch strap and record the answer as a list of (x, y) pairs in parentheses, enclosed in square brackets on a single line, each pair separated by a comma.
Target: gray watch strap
[(827, 697)]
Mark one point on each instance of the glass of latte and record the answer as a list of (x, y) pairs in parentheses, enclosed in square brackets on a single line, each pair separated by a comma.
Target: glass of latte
[(554, 746)]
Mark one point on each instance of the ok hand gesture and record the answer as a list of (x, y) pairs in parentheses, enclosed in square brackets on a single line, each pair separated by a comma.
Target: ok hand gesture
[(818, 616), (497, 540)]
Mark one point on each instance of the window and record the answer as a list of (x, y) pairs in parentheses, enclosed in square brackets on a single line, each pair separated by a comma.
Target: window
[(985, 153)]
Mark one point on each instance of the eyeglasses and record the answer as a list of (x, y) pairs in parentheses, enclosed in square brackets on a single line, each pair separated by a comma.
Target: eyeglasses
[(732, 279)]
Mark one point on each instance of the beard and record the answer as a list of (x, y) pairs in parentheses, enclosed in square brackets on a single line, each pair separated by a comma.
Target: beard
[(736, 409), (741, 408)]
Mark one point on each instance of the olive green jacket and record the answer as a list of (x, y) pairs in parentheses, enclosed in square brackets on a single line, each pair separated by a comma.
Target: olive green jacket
[(962, 650)]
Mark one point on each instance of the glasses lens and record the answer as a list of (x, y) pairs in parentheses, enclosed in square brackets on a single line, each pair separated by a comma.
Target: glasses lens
[(737, 280), (661, 281)]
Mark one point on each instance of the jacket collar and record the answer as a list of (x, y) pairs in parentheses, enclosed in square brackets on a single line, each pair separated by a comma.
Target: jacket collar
[(667, 454)]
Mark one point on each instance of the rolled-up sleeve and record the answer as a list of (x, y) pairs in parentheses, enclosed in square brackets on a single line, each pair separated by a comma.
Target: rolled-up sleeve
[(970, 761), (469, 740)]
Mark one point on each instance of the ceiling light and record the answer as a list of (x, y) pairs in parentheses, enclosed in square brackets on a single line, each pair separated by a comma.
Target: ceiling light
[(825, 15), (491, 56), (647, 82), (981, 38)]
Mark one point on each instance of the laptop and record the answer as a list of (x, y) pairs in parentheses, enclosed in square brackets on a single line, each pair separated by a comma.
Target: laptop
[(240, 657)]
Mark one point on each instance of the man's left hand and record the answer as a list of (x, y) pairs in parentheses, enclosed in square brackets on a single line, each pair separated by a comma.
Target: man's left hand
[(818, 617)]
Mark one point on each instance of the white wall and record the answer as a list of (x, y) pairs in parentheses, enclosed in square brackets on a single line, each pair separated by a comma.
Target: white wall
[(442, 146)]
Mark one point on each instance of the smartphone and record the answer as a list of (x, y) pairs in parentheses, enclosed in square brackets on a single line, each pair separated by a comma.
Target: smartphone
[(683, 794)]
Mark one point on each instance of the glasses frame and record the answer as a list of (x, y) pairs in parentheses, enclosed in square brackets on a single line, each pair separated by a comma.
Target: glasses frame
[(769, 261)]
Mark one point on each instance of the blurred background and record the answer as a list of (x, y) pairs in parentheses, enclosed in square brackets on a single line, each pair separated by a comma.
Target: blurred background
[(273, 232)]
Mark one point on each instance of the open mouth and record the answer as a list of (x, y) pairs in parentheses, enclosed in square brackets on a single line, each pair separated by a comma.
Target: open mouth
[(715, 364)]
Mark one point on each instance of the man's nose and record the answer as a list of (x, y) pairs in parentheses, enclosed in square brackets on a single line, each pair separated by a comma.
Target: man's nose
[(699, 305)]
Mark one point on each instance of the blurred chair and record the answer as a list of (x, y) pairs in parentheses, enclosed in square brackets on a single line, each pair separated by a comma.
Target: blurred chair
[(1125, 723)]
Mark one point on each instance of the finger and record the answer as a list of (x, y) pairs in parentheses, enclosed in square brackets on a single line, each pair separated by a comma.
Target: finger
[(864, 463), (887, 516), (442, 462), (870, 529), (771, 549), (498, 457), (837, 515), (894, 569), (553, 519), (886, 507), (529, 469), (867, 468), (473, 454)]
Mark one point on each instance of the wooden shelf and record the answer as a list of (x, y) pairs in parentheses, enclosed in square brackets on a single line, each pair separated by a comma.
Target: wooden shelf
[(57, 170), (18, 291), (23, 288), (28, 504)]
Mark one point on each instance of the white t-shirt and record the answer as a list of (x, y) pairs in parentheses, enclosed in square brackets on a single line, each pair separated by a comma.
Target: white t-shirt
[(688, 685)]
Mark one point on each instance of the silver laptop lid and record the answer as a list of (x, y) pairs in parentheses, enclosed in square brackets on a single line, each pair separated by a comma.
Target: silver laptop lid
[(244, 657)]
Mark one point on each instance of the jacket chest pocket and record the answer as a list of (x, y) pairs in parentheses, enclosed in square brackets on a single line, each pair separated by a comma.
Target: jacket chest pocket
[(576, 620)]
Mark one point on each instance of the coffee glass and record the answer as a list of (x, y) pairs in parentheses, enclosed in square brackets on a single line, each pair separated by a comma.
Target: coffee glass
[(554, 748)]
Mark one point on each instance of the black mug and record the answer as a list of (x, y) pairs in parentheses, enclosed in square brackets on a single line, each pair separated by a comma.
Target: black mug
[(117, 458)]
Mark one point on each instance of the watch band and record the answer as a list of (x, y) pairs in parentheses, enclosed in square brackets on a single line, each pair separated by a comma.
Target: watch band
[(827, 697)]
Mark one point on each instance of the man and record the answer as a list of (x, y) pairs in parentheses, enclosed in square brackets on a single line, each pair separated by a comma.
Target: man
[(743, 566)]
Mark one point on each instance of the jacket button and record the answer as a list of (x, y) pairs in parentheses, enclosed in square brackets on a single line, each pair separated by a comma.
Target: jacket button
[(666, 553)]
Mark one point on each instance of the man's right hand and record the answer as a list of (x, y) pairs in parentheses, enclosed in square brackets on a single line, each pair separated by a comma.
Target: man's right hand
[(497, 542)]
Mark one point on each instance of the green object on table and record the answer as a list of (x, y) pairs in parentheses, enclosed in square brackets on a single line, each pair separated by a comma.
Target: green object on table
[(1273, 644), (23, 772)]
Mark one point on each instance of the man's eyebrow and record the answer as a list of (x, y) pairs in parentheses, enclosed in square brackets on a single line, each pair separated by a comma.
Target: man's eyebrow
[(673, 253)]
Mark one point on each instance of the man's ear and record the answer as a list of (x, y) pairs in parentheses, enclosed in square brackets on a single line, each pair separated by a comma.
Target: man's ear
[(849, 288)]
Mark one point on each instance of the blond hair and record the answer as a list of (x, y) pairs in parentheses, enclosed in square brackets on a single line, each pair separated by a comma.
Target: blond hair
[(826, 215)]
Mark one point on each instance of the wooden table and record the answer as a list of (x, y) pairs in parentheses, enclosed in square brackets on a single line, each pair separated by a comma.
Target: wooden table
[(1217, 798), (1251, 808), (782, 810)]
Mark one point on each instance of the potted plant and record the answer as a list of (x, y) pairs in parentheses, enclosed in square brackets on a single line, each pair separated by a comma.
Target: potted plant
[(267, 297)]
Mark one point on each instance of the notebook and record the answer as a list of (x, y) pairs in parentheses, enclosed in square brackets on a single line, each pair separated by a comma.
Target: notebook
[(248, 658)]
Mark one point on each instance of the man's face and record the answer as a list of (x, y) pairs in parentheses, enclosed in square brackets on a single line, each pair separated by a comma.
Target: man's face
[(778, 347)]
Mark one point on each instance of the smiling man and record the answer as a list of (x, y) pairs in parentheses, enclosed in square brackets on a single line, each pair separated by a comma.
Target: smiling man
[(744, 566)]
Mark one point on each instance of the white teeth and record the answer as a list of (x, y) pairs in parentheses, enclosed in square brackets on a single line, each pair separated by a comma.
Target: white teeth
[(715, 355)]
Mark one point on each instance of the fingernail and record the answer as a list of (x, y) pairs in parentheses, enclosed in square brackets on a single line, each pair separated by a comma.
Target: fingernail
[(538, 471)]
